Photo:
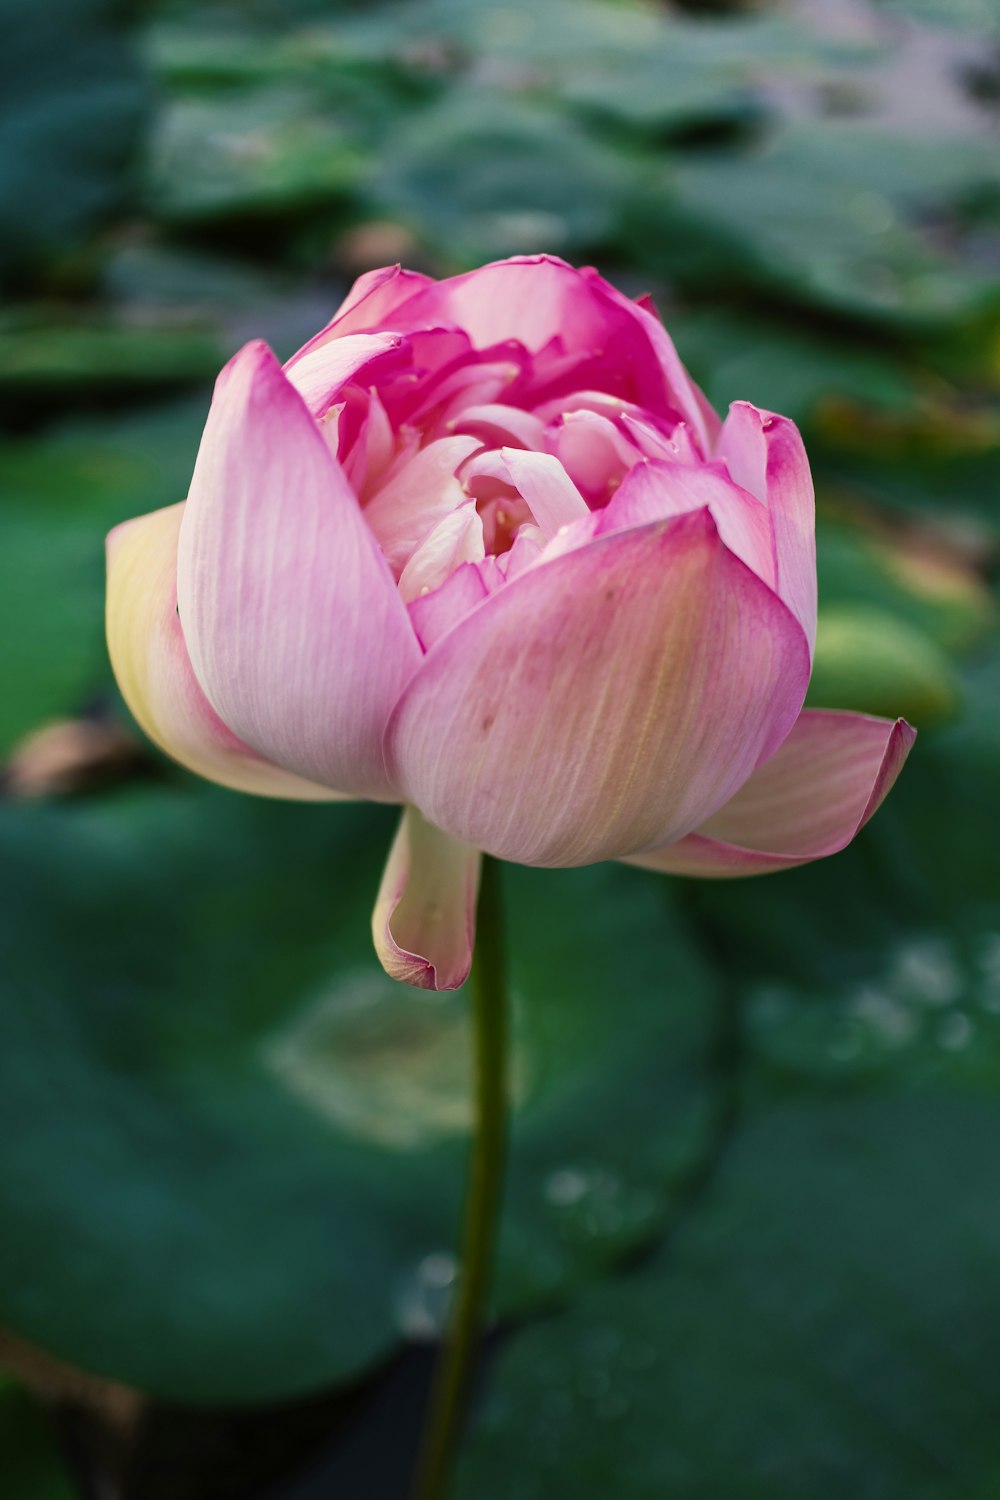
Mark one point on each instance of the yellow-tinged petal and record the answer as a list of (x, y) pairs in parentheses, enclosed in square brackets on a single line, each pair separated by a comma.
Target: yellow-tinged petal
[(151, 664)]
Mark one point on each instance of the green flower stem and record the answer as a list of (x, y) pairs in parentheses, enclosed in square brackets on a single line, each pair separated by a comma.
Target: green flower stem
[(488, 986)]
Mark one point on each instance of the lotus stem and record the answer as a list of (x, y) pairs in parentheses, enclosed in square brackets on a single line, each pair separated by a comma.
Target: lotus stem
[(484, 1192)]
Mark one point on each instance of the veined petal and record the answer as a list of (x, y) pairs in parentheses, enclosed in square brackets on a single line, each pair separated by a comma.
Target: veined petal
[(436, 613), (369, 304), (765, 455), (603, 702), (424, 922), (686, 396), (320, 375), (457, 538), (542, 482), (151, 665), (292, 621), (653, 490), (807, 801), (417, 495)]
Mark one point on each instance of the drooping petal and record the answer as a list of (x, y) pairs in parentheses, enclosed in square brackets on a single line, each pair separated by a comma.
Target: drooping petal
[(653, 490), (151, 665), (424, 922), (601, 703), (292, 621), (765, 455), (809, 800)]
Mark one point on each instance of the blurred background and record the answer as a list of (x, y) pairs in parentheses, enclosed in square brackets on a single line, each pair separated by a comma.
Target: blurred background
[(752, 1243)]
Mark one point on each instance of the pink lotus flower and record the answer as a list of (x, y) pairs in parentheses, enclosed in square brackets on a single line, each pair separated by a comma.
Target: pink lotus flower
[(482, 548)]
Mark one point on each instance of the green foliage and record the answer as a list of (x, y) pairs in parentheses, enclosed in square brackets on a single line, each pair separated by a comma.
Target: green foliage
[(30, 1468), (229, 1101)]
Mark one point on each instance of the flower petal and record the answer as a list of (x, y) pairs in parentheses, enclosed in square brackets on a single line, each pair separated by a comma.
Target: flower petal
[(653, 490), (424, 922), (765, 455), (541, 481), (807, 801), (417, 495), (603, 702), (369, 304), (686, 396), (319, 376), (151, 665), (292, 621), (457, 538)]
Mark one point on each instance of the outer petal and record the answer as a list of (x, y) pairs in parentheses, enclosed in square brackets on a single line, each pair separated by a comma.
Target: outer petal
[(765, 455), (151, 664), (369, 304), (424, 922), (320, 376), (653, 490), (809, 800), (536, 299), (603, 702), (293, 624), (689, 400)]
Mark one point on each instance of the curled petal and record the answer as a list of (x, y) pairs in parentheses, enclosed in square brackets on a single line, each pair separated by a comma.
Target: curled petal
[(292, 621), (807, 801), (151, 665), (601, 703), (765, 455), (424, 922), (542, 482), (320, 376)]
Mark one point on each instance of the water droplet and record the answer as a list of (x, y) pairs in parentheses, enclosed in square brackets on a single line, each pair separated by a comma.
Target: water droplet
[(425, 1296)]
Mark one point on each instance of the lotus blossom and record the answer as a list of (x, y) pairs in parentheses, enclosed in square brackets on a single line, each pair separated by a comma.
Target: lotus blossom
[(483, 549)]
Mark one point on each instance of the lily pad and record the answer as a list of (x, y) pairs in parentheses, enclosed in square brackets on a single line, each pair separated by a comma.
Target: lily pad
[(255, 1142), (823, 1317)]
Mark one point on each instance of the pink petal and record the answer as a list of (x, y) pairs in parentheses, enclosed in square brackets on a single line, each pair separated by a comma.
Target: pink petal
[(601, 703), (424, 922), (457, 538), (436, 613), (497, 424), (152, 668), (416, 496), (686, 396), (293, 624), (765, 455), (372, 300), (593, 451), (809, 800), (319, 377), (652, 491), (542, 482)]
